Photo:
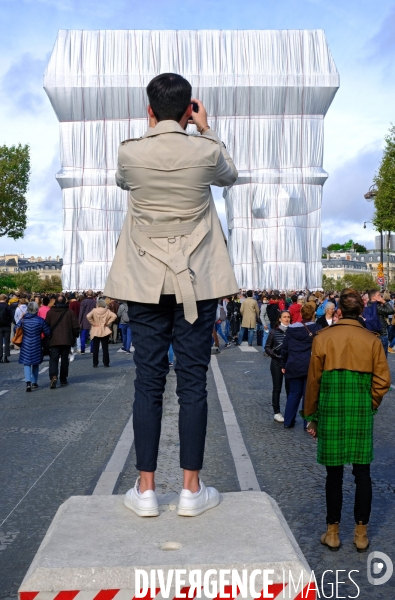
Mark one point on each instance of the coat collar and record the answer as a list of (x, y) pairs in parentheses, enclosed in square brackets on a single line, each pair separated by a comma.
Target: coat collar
[(165, 127), (352, 322)]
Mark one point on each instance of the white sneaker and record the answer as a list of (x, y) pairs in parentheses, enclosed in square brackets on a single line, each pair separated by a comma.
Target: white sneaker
[(192, 505), (279, 418), (144, 505)]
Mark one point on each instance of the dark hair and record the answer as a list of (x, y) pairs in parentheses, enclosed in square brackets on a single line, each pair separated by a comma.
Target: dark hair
[(249, 294), (60, 299), (371, 293), (45, 301), (294, 298), (350, 303), (169, 95)]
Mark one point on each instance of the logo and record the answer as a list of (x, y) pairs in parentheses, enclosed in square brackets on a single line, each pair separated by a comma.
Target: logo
[(379, 564)]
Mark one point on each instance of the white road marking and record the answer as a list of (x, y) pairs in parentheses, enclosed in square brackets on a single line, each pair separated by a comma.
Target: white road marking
[(244, 468), (108, 479), (3, 392), (43, 370), (247, 348)]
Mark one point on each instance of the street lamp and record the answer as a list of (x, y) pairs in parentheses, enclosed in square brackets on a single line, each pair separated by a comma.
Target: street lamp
[(370, 196)]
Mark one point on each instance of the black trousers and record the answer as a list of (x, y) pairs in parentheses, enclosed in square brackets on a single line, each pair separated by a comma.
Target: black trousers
[(96, 345), (5, 336), (155, 327), (54, 353), (277, 377), (334, 493)]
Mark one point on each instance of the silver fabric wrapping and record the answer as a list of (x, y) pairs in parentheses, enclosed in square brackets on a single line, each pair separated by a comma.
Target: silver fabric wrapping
[(266, 93)]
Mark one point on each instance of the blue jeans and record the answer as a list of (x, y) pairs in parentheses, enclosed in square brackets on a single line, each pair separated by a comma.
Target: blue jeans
[(218, 329), (297, 389), (250, 335), (392, 344), (31, 373), (227, 329), (155, 327), (83, 335), (265, 336), (126, 331), (384, 341)]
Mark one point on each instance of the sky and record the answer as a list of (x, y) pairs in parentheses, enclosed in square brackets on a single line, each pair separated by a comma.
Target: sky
[(360, 35)]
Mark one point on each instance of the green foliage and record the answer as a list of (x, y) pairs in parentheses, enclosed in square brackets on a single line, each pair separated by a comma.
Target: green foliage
[(14, 181), (29, 281), (346, 247), (361, 282), (384, 215)]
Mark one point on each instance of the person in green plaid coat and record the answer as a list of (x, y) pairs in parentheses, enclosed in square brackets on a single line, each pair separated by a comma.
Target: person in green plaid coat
[(348, 377)]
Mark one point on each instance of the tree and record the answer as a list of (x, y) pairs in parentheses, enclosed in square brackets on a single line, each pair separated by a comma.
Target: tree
[(14, 181), (335, 247), (359, 248), (384, 202), (361, 282)]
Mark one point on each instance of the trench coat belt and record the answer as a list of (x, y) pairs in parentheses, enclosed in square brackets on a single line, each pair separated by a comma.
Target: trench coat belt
[(178, 262)]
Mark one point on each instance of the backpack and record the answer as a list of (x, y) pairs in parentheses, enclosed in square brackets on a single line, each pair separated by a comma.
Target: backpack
[(320, 311), (372, 319), (5, 319)]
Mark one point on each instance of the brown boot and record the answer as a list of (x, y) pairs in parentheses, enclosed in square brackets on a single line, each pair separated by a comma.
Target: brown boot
[(331, 537), (361, 541), (53, 383)]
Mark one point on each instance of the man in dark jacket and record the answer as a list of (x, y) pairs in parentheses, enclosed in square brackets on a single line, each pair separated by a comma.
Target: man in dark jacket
[(86, 307), (65, 329), (384, 309), (6, 316)]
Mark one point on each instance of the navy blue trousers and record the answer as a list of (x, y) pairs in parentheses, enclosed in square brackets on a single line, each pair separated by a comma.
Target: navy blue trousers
[(297, 388), (155, 327)]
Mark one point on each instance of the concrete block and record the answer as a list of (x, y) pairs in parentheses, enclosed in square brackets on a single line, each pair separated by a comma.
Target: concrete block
[(95, 545)]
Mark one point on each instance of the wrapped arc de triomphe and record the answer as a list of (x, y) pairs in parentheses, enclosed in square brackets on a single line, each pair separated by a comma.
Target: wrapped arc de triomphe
[(266, 93)]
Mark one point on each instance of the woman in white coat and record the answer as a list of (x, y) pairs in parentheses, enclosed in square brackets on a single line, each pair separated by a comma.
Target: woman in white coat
[(100, 319)]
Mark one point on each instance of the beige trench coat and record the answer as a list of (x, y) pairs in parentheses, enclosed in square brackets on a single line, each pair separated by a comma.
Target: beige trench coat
[(250, 311), (168, 174), (100, 318)]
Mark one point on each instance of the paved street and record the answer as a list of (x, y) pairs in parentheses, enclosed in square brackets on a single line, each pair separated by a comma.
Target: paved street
[(56, 443)]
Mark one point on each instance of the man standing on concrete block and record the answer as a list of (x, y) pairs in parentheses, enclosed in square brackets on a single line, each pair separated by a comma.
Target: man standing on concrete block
[(171, 265)]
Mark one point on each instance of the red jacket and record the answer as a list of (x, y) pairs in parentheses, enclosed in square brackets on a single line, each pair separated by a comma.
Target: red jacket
[(74, 306), (294, 310)]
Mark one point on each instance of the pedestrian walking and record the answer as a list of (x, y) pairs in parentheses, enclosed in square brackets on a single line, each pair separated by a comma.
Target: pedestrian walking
[(348, 377), (6, 318), (44, 308), (249, 311), (295, 359), (114, 307), (273, 310), (171, 264), (265, 323), (64, 331), (234, 317), (101, 319), (326, 320), (124, 326), (31, 355), (295, 309), (273, 349), (20, 310), (220, 317), (384, 310), (87, 305)]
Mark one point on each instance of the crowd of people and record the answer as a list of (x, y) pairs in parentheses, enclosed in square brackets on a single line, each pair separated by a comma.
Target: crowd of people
[(61, 325), (340, 378)]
